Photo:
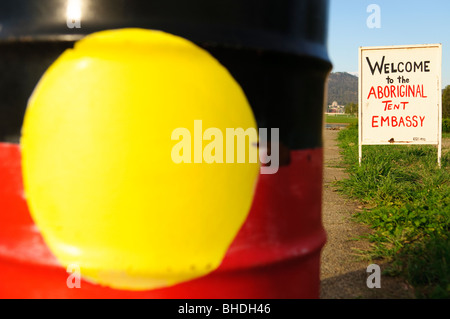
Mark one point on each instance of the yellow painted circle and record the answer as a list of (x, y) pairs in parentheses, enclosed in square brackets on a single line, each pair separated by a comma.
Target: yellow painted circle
[(99, 176)]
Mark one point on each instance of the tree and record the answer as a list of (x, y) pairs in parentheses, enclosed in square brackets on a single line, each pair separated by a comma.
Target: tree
[(446, 102), (351, 108)]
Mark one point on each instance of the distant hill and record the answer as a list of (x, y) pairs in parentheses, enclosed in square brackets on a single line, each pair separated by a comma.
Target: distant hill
[(342, 88)]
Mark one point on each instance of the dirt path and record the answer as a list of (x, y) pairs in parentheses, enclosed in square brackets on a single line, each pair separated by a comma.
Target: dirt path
[(343, 273)]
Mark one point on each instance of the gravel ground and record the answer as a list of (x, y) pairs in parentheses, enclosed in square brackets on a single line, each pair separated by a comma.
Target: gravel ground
[(343, 272)]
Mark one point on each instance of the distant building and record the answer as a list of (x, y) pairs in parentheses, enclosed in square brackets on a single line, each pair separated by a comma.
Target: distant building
[(335, 108)]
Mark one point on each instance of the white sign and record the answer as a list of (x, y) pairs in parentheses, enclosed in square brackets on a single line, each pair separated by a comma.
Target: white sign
[(400, 95)]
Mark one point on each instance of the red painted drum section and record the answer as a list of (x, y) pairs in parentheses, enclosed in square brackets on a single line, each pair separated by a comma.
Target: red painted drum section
[(276, 254)]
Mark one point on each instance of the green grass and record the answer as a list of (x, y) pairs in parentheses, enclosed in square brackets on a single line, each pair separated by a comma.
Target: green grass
[(341, 119), (409, 200)]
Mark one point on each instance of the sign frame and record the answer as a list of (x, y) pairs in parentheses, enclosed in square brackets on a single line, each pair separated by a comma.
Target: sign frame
[(361, 82)]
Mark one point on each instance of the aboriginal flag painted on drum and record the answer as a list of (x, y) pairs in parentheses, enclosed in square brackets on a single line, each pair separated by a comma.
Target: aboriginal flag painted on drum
[(275, 50)]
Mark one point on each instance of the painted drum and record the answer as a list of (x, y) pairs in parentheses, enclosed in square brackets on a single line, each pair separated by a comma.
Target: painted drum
[(277, 54)]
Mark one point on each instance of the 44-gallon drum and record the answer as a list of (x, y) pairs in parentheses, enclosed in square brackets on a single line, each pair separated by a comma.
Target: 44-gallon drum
[(274, 55)]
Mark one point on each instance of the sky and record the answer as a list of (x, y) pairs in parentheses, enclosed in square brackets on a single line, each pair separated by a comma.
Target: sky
[(402, 22)]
